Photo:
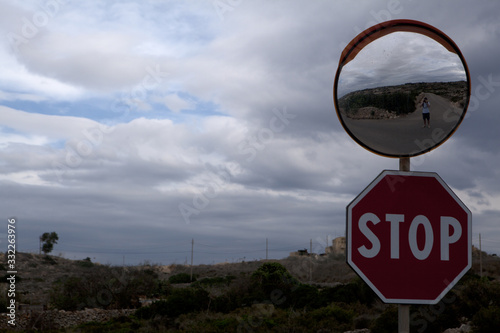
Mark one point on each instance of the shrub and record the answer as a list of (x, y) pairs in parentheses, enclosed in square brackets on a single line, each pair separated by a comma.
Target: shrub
[(49, 260), (334, 311), (225, 323), (304, 296), (181, 301), (68, 295), (216, 281), (182, 278), (105, 288), (399, 102), (208, 322), (436, 318), (119, 324), (86, 263), (272, 280), (387, 322), (476, 292), (163, 288), (332, 316), (352, 292), (238, 294), (487, 320)]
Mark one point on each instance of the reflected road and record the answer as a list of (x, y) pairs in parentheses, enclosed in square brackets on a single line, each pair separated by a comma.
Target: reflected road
[(405, 135)]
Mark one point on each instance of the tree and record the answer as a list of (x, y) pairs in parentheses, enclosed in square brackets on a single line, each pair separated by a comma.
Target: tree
[(47, 241)]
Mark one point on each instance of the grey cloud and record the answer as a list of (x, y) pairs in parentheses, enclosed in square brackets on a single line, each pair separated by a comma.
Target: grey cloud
[(124, 197)]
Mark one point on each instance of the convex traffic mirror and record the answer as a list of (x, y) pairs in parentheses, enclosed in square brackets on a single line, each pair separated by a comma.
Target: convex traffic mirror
[(402, 88)]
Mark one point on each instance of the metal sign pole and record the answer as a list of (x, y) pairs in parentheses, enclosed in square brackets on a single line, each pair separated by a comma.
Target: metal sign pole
[(404, 309), (403, 318), (404, 164)]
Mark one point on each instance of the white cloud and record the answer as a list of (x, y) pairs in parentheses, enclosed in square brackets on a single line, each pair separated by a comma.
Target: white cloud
[(19, 83), (5, 96), (75, 175), (24, 178), (95, 61), (36, 140), (53, 127), (176, 103)]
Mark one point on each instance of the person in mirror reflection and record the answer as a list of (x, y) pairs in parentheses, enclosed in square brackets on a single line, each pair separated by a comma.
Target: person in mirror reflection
[(426, 113)]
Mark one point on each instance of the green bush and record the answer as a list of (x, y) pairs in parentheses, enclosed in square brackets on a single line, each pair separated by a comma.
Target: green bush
[(86, 263), (398, 102), (334, 311), (163, 288), (216, 281), (331, 317), (487, 320), (49, 260), (273, 281), (237, 295), (212, 322), (474, 298), (118, 325), (304, 296), (182, 278), (67, 295), (223, 304), (181, 301), (271, 272), (225, 324), (352, 292), (387, 322), (436, 318), (475, 293), (103, 287)]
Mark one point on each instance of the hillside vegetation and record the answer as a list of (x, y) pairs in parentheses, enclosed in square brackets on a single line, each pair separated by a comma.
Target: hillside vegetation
[(258, 296), (400, 100)]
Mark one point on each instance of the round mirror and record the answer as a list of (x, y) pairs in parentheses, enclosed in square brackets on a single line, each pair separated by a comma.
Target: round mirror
[(402, 88)]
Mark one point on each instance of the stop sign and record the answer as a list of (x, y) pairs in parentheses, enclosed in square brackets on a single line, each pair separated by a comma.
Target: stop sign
[(409, 237)]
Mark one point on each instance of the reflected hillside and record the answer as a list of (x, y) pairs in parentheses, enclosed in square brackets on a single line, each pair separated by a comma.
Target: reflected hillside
[(397, 101)]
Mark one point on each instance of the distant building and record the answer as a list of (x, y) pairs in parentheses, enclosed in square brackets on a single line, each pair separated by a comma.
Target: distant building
[(299, 253), (338, 246)]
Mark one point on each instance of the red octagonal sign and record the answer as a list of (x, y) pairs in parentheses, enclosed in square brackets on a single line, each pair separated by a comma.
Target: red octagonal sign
[(409, 237)]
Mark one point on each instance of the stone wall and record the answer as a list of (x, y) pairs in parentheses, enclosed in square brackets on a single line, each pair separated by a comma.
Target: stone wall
[(55, 319)]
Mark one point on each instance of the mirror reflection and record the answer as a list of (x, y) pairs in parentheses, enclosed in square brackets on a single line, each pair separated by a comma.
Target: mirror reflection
[(402, 95)]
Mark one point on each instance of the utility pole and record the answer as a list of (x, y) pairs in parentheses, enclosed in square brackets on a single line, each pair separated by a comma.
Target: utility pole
[(310, 260), (192, 249), (267, 247), (480, 258)]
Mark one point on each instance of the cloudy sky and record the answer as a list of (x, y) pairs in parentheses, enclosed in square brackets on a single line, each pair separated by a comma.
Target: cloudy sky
[(399, 58), (132, 127)]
